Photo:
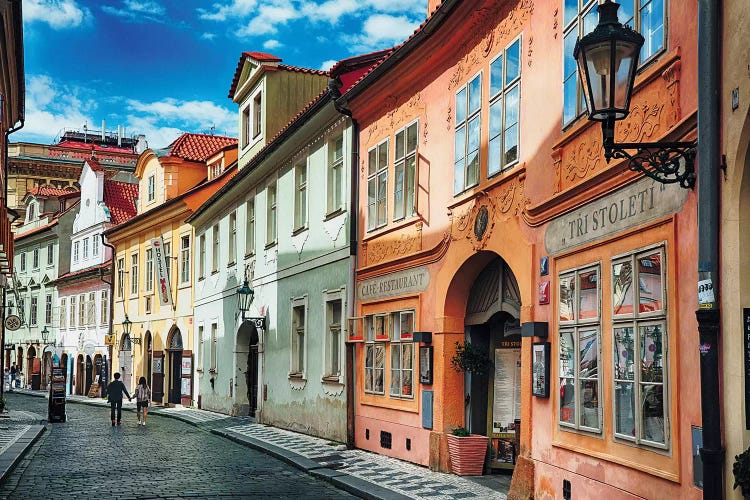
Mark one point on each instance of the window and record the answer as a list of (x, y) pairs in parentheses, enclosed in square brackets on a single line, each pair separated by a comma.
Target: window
[(405, 175), (505, 104), (63, 312), (35, 259), (639, 348), (34, 311), (120, 277), (149, 271), (202, 256), (91, 310), (402, 354), (134, 274), (32, 211), (377, 186), (95, 246), (23, 261), (215, 248), (22, 308), (246, 126), (214, 169), (48, 310), (151, 188), (257, 114), (85, 248), (374, 354), (333, 337), (233, 237), (76, 251), (299, 327), (271, 215), (185, 259), (468, 128), (199, 356), (50, 254), (72, 312), (104, 317), (81, 311), (336, 173), (250, 228), (580, 18), (579, 346), (300, 194), (214, 328)]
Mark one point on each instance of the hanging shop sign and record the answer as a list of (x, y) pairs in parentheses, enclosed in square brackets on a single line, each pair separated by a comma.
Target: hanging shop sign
[(162, 277), (392, 285), (626, 208)]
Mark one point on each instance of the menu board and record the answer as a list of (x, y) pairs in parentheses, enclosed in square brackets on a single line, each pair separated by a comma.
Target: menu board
[(506, 407)]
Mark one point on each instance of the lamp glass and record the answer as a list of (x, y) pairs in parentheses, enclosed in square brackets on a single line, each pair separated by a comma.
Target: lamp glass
[(127, 326), (45, 334), (245, 296)]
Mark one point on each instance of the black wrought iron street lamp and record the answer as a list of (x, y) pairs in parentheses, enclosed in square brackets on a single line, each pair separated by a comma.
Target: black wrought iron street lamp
[(245, 296), (127, 326), (607, 62), (45, 335)]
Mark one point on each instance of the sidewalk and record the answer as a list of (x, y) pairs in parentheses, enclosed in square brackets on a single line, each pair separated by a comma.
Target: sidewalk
[(362, 473), (18, 431)]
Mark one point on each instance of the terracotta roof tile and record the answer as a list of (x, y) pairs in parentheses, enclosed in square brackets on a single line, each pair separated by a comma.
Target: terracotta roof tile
[(120, 199), (94, 164), (46, 190), (199, 147), (263, 57), (94, 147), (298, 69), (73, 274)]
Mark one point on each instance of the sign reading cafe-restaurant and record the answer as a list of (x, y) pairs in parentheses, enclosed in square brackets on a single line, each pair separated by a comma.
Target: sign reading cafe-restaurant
[(391, 285)]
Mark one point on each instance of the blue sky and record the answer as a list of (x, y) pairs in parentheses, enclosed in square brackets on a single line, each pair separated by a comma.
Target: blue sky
[(163, 67)]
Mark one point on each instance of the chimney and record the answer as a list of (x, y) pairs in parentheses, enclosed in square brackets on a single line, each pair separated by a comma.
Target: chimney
[(103, 124), (432, 5), (119, 136)]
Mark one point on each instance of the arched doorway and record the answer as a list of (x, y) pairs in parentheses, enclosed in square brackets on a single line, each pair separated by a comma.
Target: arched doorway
[(19, 359), (247, 364), (80, 375), (149, 356), (99, 371), (174, 350), (89, 375), (125, 357), (33, 375), (46, 367)]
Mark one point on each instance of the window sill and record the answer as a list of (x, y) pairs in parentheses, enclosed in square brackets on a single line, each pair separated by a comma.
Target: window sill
[(334, 214), (270, 245), (231, 264), (331, 379), (215, 271), (201, 278), (249, 255), (296, 376), (213, 371), (299, 230)]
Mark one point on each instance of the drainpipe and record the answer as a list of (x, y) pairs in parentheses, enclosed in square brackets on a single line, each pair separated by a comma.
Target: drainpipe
[(709, 313), (111, 302), (351, 353)]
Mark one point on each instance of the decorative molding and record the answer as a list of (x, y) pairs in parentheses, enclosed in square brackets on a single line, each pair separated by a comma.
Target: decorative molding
[(530, 50), (382, 249), (271, 255), (299, 240), (399, 112), (297, 384), (555, 24), (332, 388), (334, 225)]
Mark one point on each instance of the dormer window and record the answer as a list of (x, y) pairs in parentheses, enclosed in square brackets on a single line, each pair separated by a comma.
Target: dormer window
[(151, 188), (32, 211), (256, 114), (246, 126), (214, 170)]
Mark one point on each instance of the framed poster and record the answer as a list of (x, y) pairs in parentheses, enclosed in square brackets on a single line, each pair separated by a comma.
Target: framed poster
[(425, 364), (540, 369)]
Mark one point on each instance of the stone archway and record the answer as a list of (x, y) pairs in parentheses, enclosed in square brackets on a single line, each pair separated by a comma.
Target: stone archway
[(174, 366)]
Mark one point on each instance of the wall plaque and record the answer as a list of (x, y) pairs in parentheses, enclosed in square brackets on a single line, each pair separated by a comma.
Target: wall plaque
[(629, 207), (391, 285)]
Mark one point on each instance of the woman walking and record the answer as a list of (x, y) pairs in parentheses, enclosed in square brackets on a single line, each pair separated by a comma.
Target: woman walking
[(142, 396)]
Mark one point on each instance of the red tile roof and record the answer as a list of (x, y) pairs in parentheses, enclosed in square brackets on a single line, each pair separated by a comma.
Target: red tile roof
[(199, 147), (95, 147), (46, 190), (39, 229), (94, 164), (120, 199), (73, 274), (263, 57)]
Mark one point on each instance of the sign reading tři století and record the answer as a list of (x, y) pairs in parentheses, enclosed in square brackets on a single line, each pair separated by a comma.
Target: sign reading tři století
[(631, 206), (394, 284)]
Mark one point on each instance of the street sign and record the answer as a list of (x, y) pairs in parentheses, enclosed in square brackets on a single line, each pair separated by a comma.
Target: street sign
[(89, 348), (12, 322), (109, 339)]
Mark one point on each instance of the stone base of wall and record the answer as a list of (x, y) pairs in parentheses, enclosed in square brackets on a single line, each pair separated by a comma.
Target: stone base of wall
[(522, 483)]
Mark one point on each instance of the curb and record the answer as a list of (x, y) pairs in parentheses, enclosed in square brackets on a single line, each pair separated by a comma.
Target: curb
[(18, 450)]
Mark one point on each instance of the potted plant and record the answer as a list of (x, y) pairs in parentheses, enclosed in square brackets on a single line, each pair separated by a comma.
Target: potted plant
[(467, 452), (472, 359), (741, 470)]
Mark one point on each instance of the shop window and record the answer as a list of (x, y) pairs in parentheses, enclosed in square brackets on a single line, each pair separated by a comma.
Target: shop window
[(579, 349), (377, 186), (375, 354), (402, 354), (639, 348), (405, 172), (298, 335), (505, 108), (467, 134)]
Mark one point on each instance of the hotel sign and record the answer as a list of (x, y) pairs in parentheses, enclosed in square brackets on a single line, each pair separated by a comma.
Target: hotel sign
[(391, 285), (163, 287), (631, 206)]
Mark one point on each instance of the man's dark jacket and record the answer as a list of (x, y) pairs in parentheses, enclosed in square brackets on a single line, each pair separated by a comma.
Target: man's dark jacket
[(115, 390)]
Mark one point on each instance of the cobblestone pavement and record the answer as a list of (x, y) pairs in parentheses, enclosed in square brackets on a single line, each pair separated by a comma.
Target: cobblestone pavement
[(168, 458)]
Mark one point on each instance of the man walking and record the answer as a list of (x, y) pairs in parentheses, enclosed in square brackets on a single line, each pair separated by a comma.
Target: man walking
[(13, 373), (114, 396)]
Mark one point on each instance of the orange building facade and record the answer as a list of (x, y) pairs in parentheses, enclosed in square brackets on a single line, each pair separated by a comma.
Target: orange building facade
[(489, 216)]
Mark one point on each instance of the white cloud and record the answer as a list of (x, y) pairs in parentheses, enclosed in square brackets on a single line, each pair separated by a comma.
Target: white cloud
[(269, 17), (381, 31), (208, 36), (59, 14), (272, 44), (222, 12), (326, 65), (138, 11)]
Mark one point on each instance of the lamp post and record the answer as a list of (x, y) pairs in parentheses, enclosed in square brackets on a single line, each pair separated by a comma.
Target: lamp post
[(45, 335), (245, 296), (607, 62)]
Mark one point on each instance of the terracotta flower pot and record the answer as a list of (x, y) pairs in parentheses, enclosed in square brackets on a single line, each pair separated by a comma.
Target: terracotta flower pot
[(467, 454)]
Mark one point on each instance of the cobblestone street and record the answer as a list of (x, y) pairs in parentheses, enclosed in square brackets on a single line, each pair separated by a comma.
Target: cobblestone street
[(166, 459)]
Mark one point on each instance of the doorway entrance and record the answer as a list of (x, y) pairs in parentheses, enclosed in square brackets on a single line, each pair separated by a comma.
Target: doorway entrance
[(174, 350), (125, 356), (247, 366), (89, 375), (79, 375)]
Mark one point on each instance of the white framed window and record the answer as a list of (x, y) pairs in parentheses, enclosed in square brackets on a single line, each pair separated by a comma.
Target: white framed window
[(335, 175), (34, 311), (148, 304), (48, 310), (202, 256), (639, 329), (85, 248), (580, 18), (95, 245), (81, 311), (375, 333), (247, 126), (214, 340), (91, 310), (215, 248), (257, 114), (298, 336), (50, 254), (63, 312), (250, 227), (185, 258), (35, 259), (23, 260), (271, 214), (73, 312), (334, 329), (199, 354), (402, 354), (580, 349), (104, 309), (120, 277), (405, 172), (232, 238), (149, 270), (377, 185), (134, 274), (76, 251), (505, 109), (151, 196), (300, 194), (467, 135)]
